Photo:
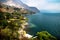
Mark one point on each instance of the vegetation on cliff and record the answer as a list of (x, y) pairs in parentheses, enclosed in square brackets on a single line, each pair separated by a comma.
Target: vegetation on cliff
[(13, 23), (12, 20), (9, 25)]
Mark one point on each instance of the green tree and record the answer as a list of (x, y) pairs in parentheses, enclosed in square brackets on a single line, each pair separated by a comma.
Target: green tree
[(9, 26), (44, 35)]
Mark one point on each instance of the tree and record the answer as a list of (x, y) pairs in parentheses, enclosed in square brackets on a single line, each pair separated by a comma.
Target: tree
[(9, 26), (44, 35)]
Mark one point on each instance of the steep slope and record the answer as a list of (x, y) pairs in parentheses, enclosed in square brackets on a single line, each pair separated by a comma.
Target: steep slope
[(34, 9), (18, 4)]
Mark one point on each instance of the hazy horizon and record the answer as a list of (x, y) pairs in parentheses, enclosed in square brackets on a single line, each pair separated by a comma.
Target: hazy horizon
[(52, 6)]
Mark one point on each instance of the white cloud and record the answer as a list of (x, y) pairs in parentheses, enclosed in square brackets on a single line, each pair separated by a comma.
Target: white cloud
[(51, 6), (40, 4), (43, 4), (11, 3)]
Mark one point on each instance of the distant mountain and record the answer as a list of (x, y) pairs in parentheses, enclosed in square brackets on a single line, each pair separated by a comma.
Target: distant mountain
[(19, 4), (34, 9)]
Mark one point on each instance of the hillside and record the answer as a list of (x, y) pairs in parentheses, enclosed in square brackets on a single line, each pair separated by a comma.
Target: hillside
[(11, 9), (19, 5)]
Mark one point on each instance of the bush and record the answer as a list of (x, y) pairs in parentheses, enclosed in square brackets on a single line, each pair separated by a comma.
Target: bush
[(9, 28), (44, 35)]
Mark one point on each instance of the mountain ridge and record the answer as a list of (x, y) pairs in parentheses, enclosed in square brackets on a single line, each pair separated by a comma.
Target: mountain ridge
[(20, 4)]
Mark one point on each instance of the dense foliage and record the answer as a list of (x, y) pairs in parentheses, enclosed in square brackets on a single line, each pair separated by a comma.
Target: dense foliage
[(44, 35), (9, 25)]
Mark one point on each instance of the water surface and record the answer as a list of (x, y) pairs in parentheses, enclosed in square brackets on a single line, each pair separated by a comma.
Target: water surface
[(45, 22)]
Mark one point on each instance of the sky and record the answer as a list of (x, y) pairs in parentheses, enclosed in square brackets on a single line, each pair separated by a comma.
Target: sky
[(49, 5), (44, 5)]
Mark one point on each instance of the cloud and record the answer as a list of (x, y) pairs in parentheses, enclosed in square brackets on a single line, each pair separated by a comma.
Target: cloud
[(52, 6), (43, 4), (12, 3), (9, 2), (40, 4)]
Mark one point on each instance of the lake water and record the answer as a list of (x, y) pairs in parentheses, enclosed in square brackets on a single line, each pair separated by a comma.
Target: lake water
[(45, 22)]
